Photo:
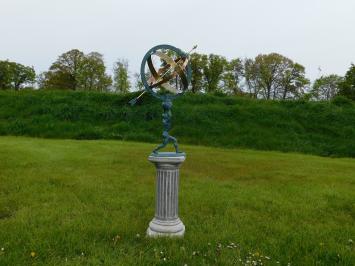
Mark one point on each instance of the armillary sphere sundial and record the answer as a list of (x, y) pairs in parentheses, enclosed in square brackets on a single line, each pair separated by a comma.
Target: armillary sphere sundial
[(166, 74)]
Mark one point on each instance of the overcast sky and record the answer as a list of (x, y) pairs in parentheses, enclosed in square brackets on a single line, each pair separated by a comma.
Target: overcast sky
[(314, 33)]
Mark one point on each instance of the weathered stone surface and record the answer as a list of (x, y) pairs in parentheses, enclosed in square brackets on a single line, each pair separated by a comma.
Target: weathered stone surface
[(166, 221)]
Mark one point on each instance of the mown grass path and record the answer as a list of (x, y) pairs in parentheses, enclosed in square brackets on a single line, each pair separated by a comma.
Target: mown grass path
[(67, 202)]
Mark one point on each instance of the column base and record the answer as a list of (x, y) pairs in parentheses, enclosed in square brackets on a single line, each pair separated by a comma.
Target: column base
[(161, 228)]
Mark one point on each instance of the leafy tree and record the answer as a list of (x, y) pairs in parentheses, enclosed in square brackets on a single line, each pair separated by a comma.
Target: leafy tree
[(15, 76), (121, 77), (64, 73), (232, 76), (138, 84), (57, 80), (74, 70), (293, 80), (5, 75), (326, 87), (198, 62), (213, 71), (267, 67), (347, 87), (274, 76), (251, 77), (41, 80), (92, 73), (23, 75)]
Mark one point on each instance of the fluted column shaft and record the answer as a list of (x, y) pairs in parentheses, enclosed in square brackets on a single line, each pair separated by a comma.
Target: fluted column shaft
[(167, 189)]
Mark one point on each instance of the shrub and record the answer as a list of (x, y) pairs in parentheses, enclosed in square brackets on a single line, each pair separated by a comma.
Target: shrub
[(323, 128)]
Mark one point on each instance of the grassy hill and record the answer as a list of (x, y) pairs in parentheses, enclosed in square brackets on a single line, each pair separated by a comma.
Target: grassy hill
[(68, 202), (322, 128)]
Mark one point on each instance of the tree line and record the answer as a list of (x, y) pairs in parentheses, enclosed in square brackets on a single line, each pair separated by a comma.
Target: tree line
[(267, 76)]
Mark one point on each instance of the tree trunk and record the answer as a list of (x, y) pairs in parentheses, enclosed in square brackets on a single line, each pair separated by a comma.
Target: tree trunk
[(284, 93)]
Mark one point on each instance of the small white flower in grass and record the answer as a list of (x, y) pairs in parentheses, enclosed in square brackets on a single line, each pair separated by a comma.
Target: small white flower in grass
[(164, 259), (138, 235), (266, 257), (277, 262), (2, 249), (233, 245), (350, 241)]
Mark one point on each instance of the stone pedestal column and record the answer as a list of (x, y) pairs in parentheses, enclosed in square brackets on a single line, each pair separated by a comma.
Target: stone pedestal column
[(166, 221)]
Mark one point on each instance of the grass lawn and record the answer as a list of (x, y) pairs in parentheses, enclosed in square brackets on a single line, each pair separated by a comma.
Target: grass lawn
[(67, 202)]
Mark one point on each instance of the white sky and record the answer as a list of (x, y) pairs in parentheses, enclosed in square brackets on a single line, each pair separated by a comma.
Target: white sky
[(311, 32)]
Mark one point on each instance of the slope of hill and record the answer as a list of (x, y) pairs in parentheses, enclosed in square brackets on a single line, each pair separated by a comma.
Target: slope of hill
[(322, 128)]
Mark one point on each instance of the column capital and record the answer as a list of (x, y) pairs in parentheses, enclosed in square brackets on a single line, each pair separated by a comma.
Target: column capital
[(167, 159)]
